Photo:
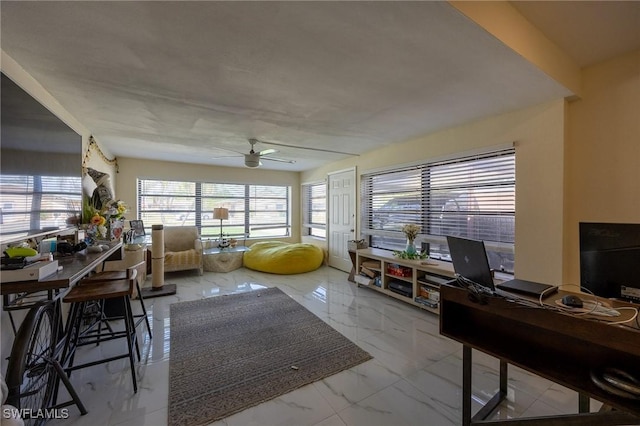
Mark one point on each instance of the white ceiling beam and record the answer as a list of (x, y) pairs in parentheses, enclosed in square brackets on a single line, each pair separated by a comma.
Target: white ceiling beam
[(503, 21)]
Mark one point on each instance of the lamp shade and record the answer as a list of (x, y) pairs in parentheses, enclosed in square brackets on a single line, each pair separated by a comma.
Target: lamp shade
[(221, 213)]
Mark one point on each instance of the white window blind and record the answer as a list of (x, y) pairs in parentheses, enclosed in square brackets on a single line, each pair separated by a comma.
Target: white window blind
[(314, 209), (230, 196), (166, 202), (259, 211), (29, 203), (269, 210), (470, 196)]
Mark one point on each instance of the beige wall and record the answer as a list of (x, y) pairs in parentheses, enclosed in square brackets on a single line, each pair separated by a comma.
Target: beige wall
[(575, 162), (603, 152), (99, 158), (132, 169), (538, 134)]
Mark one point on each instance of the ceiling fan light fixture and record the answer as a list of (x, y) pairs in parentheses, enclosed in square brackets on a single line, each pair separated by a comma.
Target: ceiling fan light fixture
[(252, 160)]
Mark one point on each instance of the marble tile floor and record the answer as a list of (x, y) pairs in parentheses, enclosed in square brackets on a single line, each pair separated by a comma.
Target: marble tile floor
[(414, 379)]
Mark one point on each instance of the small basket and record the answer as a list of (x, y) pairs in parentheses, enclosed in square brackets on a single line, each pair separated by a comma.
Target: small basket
[(424, 292), (353, 245)]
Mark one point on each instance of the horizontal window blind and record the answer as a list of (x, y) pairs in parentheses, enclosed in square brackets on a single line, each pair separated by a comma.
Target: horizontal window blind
[(29, 202), (230, 196), (254, 210), (470, 196), (268, 208), (166, 202), (314, 209)]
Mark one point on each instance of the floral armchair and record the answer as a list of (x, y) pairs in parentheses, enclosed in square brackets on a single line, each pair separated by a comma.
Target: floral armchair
[(182, 249)]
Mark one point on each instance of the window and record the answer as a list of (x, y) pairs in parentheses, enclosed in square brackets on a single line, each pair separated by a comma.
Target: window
[(471, 197), (35, 202), (258, 211), (268, 210), (314, 209)]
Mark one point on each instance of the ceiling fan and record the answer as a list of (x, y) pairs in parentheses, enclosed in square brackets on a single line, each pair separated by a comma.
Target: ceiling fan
[(253, 158)]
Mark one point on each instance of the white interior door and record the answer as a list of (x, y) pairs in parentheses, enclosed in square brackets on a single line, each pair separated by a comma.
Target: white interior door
[(341, 218)]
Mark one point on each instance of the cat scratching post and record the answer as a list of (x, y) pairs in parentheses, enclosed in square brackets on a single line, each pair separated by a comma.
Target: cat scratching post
[(157, 255), (158, 287)]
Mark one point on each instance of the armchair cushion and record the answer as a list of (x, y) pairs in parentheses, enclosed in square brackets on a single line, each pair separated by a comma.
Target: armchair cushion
[(180, 238), (182, 249)]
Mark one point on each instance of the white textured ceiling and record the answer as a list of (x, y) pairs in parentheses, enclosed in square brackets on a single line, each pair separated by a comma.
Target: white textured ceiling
[(192, 81)]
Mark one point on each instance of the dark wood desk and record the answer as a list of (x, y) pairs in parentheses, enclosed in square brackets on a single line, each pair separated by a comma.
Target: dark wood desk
[(557, 346), (74, 268)]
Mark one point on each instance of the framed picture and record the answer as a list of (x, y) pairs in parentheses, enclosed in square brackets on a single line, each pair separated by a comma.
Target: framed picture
[(137, 227), (115, 228)]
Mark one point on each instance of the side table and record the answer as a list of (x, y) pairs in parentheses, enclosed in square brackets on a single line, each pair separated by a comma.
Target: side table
[(352, 274), (223, 260)]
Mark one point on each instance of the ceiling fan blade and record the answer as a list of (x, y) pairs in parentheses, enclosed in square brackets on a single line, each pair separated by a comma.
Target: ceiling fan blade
[(237, 153), (268, 151), (281, 160), (227, 156), (305, 147)]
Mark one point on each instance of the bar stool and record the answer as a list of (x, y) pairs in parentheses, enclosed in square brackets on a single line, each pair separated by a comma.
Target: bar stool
[(97, 292), (121, 275)]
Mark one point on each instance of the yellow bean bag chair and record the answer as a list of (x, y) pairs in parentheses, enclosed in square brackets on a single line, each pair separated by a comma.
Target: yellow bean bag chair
[(278, 257)]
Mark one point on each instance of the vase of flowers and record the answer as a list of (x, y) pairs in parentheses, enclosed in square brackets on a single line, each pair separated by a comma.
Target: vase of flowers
[(106, 223), (411, 232), (411, 247)]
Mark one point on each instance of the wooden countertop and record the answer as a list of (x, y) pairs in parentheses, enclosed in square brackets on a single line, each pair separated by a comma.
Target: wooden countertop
[(74, 267)]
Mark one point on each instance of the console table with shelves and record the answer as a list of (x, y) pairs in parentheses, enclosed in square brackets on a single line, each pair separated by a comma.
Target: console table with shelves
[(416, 282)]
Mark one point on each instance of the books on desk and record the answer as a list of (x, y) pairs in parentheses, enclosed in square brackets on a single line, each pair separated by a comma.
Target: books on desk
[(34, 272)]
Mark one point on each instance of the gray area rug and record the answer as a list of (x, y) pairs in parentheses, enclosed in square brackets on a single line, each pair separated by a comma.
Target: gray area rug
[(229, 353)]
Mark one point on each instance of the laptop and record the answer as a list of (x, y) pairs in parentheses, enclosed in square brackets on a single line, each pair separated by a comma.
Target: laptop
[(469, 259)]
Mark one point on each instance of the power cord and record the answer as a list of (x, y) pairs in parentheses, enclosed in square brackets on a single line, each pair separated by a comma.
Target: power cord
[(599, 308), (589, 307), (476, 293)]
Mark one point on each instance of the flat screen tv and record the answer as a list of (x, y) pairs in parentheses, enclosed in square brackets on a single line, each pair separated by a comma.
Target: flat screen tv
[(610, 259), (40, 167)]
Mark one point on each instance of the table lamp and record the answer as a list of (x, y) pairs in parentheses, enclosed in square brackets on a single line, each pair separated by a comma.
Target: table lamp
[(222, 214)]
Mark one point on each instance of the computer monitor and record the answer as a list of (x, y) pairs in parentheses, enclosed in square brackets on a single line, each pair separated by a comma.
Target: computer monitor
[(470, 261), (609, 257)]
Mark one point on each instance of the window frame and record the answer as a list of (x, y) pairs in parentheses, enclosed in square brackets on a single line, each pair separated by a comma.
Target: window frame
[(310, 212), (243, 201), (483, 184)]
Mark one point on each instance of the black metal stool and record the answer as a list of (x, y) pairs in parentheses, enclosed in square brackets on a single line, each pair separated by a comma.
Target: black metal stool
[(97, 292)]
